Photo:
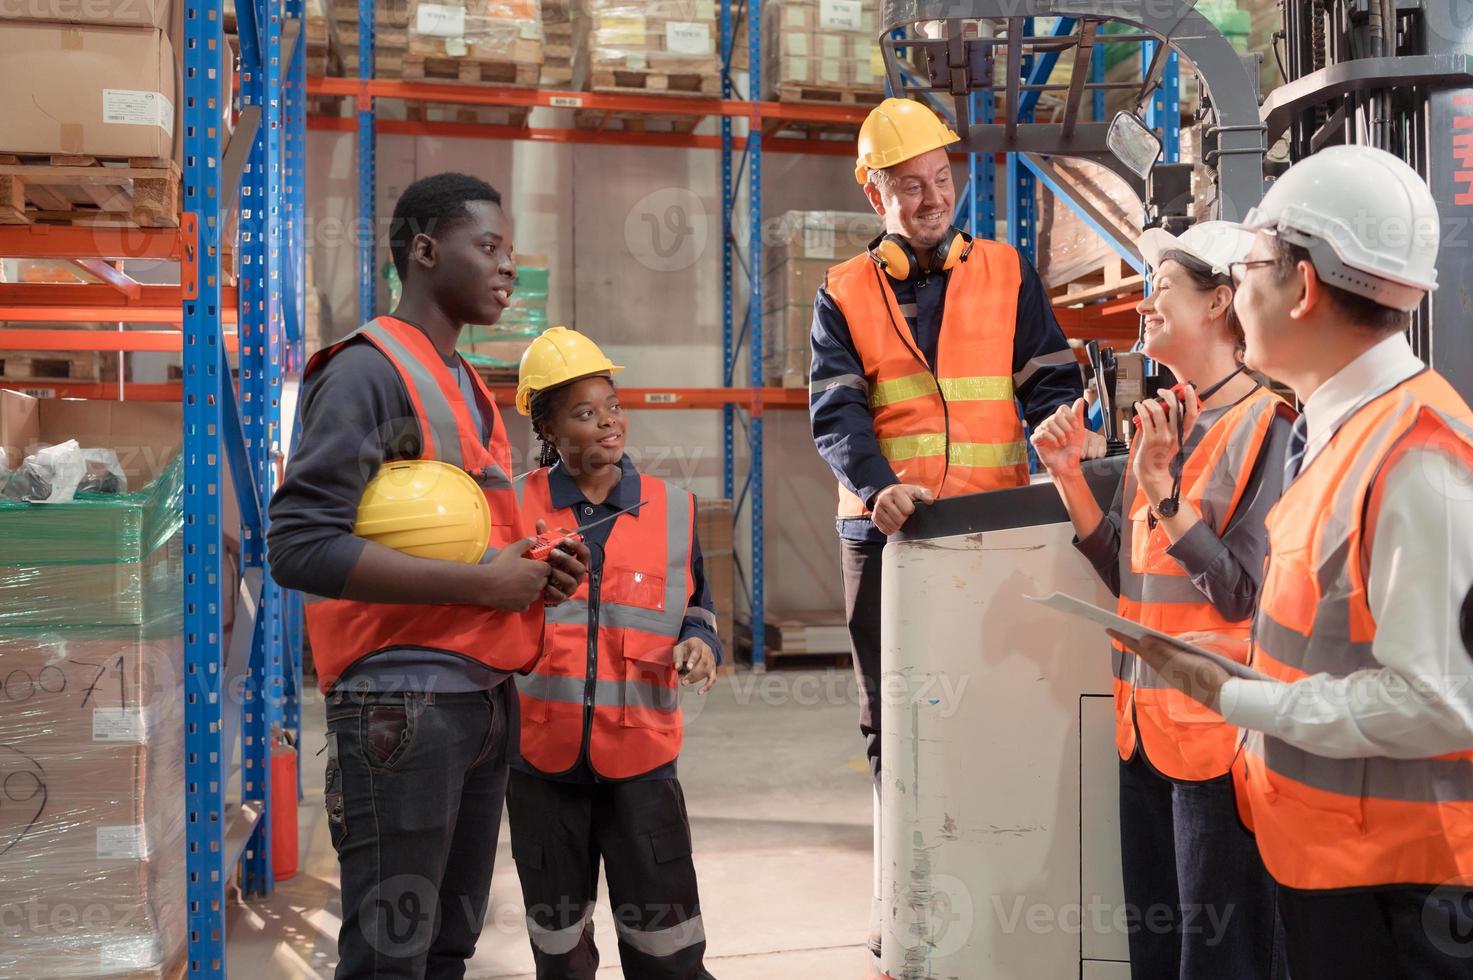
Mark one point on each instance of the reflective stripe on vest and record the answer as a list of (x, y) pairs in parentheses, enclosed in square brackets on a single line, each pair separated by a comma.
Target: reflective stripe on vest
[(630, 686), (1330, 823), (344, 631), (956, 431), (1181, 738)]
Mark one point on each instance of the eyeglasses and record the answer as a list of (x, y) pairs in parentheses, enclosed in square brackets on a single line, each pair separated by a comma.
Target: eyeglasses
[(1237, 269)]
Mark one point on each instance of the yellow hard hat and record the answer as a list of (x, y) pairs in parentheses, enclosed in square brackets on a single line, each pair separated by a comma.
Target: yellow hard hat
[(427, 508), (558, 356), (896, 130)]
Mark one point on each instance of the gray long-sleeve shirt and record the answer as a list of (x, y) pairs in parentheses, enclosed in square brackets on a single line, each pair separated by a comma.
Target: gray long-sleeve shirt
[(1228, 569)]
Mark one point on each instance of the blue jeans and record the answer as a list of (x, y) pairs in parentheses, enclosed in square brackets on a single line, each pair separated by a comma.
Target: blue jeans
[(414, 793), (1200, 904)]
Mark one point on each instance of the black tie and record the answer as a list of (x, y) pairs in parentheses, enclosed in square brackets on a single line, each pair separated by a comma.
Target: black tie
[(1298, 436)]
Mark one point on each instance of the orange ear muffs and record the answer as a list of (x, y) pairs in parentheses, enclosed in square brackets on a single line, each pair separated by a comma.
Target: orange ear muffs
[(894, 254)]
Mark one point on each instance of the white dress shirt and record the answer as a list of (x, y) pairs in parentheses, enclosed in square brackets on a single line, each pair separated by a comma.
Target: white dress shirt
[(1419, 702)]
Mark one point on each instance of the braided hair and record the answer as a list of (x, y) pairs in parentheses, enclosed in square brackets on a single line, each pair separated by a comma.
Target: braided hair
[(541, 412)]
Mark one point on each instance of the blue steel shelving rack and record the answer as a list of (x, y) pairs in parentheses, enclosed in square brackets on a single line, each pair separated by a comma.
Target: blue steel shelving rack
[(248, 692)]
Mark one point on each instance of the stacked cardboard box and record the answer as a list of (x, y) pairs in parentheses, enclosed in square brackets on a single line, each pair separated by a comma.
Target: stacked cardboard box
[(713, 530), (656, 46), (493, 42), (99, 143), (91, 728), (1069, 249), (805, 244), (557, 44), (390, 35), (821, 51)]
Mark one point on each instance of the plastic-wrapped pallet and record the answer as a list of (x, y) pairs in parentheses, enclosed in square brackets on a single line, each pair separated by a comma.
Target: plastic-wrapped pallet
[(821, 51), (1068, 249), (658, 46), (92, 831), (805, 245), (557, 44), (494, 42), (497, 350)]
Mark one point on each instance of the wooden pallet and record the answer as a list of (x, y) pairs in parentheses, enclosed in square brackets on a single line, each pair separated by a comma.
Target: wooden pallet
[(469, 71), (826, 95), (645, 82), (813, 130), (480, 115), (30, 367), (83, 190), (633, 122)]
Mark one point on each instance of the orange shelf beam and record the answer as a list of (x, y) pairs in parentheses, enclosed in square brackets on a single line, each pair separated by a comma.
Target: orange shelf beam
[(682, 399), (78, 303), (686, 141), (168, 391), (99, 340), (80, 241)]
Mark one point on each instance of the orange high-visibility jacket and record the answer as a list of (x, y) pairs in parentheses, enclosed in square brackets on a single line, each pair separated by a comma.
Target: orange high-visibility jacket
[(344, 631), (1181, 738), (1330, 823), (956, 431), (626, 700)]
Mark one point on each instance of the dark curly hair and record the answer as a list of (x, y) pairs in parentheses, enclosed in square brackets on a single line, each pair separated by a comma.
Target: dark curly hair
[(542, 407), (431, 205)]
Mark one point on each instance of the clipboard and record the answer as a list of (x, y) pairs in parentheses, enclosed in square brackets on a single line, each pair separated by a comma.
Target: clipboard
[(1103, 617)]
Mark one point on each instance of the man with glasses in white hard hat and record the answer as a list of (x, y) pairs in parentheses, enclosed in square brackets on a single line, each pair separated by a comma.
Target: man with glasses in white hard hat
[(1357, 764), (925, 346)]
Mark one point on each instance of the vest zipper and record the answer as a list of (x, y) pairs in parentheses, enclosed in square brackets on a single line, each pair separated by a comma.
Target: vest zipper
[(590, 678)]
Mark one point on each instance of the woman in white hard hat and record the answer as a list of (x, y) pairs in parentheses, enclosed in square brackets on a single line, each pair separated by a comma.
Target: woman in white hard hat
[(600, 711), (1183, 548)]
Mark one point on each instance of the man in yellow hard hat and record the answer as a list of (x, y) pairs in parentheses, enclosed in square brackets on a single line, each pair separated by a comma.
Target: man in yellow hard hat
[(417, 620), (925, 348)]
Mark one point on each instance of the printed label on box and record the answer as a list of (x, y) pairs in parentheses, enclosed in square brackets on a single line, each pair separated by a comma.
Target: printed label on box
[(687, 37), (120, 843), (456, 47), (619, 30), (117, 725), (840, 15), (131, 107), (440, 20), (818, 235)]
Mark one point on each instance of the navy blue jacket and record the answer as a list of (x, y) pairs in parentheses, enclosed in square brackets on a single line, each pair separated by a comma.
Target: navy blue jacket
[(1045, 376)]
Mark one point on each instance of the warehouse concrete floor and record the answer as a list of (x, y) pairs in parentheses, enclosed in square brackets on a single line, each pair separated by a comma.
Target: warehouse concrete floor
[(780, 804)]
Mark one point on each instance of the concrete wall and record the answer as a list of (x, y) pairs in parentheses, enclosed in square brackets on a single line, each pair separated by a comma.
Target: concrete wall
[(633, 240)]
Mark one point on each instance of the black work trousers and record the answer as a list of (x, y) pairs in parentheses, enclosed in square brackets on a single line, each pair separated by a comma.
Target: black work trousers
[(1407, 932), (415, 786), (640, 831), (862, 560)]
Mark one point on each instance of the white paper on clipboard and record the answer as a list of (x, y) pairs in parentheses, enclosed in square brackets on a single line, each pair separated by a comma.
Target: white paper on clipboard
[(1103, 617)]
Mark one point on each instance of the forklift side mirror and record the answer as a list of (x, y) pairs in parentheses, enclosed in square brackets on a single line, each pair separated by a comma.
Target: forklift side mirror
[(1133, 143)]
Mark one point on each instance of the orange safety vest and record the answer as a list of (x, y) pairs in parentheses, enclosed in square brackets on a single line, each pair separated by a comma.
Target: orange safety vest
[(955, 431), (624, 704), (343, 631), (1329, 823), (1181, 738)]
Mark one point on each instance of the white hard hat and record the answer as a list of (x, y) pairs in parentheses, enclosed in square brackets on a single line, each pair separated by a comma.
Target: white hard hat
[(1212, 243), (1368, 220)]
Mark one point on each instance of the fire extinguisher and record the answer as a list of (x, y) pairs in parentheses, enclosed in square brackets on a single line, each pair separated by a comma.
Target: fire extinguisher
[(284, 802)]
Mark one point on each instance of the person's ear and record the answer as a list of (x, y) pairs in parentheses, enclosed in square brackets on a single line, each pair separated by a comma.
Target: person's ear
[(876, 201), (1311, 290), (423, 249), (1222, 301)]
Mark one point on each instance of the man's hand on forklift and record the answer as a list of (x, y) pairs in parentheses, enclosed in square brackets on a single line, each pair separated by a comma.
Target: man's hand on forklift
[(894, 505)]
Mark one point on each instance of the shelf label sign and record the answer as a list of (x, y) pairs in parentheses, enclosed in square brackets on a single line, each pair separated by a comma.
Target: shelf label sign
[(687, 37), (840, 15), (566, 102), (661, 398), (440, 20)]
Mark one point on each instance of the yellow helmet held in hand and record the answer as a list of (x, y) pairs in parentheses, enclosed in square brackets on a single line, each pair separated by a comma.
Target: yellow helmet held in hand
[(895, 131), (558, 356), (427, 508)]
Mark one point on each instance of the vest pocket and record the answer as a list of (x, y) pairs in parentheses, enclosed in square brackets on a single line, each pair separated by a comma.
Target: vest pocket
[(651, 692)]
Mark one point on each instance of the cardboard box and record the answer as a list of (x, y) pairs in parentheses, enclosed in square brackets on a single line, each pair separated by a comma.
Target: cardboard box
[(98, 13), (145, 435), (115, 99)]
